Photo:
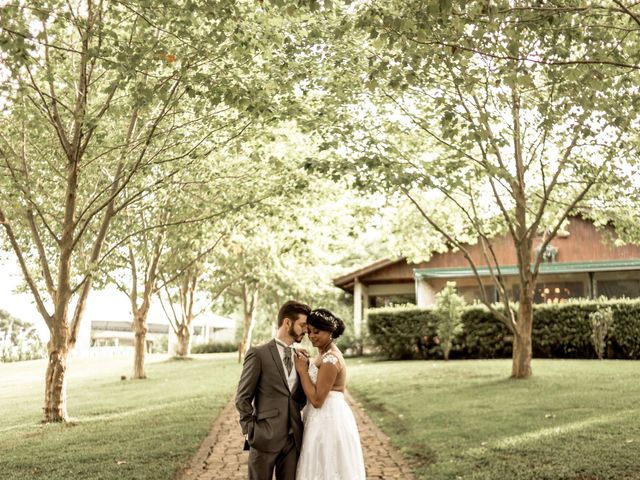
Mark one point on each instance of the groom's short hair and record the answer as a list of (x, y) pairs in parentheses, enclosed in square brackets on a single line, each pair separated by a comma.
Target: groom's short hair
[(292, 310)]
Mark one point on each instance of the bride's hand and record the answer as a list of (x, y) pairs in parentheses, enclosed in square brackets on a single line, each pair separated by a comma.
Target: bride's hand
[(301, 362)]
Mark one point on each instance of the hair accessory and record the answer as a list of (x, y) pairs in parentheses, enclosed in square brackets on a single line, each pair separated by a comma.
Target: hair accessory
[(327, 318)]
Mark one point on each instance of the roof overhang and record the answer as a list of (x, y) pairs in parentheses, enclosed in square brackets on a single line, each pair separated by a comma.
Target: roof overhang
[(346, 281), (545, 268)]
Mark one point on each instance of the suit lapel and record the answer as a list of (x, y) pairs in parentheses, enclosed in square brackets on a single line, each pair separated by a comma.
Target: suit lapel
[(273, 348)]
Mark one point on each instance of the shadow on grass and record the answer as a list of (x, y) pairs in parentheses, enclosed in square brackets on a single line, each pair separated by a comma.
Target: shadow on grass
[(176, 358), (217, 356), (542, 434), (506, 380), (96, 417), (416, 454), (494, 383), (420, 455)]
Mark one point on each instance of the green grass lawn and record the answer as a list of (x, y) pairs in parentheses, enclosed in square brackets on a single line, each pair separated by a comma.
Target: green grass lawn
[(575, 419), (145, 429)]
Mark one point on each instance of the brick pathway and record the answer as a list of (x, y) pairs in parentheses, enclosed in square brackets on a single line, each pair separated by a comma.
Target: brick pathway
[(221, 457)]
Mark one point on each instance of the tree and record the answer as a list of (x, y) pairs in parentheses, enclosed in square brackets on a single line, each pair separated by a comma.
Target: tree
[(254, 264), (133, 267), (182, 298), (19, 340), (91, 100), (294, 254), (63, 185), (193, 199), (250, 263), (459, 116)]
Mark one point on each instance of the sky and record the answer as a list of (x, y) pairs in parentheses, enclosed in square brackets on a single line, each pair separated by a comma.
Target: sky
[(109, 304), (18, 305)]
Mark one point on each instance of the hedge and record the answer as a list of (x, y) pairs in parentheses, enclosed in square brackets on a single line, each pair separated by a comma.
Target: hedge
[(559, 331), (215, 347)]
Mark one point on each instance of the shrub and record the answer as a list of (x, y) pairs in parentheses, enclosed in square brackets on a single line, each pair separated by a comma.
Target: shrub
[(564, 331), (448, 311), (350, 346), (161, 346), (403, 332), (483, 335), (601, 322), (215, 347), (559, 331), (625, 341)]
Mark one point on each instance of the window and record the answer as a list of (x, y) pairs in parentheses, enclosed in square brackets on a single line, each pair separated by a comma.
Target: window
[(619, 288), (472, 294), (557, 292), (377, 301)]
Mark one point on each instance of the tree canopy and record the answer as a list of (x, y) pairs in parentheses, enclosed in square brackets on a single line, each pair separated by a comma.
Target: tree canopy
[(244, 152)]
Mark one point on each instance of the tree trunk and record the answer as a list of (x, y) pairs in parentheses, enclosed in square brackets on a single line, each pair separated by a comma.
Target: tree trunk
[(141, 313), (6, 344), (447, 350), (140, 347), (183, 349), (522, 347), (248, 322), (55, 403)]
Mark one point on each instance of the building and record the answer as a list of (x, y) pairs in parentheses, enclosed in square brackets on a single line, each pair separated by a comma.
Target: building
[(208, 328), (116, 337), (110, 335), (580, 262)]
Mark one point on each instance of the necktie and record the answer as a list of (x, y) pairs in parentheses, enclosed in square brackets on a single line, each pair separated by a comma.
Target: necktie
[(287, 360)]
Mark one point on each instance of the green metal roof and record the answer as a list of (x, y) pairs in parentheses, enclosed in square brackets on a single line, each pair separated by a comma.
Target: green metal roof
[(555, 267)]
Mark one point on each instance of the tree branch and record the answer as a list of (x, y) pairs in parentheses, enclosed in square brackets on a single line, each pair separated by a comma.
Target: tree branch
[(25, 271)]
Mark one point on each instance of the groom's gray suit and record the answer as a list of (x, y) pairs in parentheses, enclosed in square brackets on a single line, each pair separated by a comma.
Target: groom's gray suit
[(270, 414)]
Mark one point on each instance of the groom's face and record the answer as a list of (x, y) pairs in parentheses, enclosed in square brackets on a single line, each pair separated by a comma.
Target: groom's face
[(298, 328)]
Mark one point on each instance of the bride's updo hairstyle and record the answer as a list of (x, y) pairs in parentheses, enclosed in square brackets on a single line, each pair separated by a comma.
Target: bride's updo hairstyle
[(324, 320)]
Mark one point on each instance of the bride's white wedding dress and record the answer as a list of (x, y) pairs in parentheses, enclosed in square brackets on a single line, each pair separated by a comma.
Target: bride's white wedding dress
[(331, 447)]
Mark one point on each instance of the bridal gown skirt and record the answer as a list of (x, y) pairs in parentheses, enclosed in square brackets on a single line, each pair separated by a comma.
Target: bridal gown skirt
[(331, 447)]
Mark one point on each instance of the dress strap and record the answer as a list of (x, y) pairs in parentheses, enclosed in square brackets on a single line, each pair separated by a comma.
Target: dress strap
[(330, 358)]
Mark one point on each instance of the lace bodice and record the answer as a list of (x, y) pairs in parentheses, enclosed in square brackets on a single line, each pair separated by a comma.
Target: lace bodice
[(313, 373), (336, 360)]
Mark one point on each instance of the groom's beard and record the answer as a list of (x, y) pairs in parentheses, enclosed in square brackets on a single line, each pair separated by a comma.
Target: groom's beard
[(293, 334)]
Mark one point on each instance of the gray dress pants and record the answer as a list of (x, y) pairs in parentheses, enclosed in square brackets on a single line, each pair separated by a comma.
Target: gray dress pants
[(262, 464)]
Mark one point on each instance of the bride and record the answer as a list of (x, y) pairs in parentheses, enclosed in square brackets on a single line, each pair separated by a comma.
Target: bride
[(331, 444)]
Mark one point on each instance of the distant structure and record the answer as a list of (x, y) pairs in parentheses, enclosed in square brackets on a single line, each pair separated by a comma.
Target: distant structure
[(580, 262), (116, 337)]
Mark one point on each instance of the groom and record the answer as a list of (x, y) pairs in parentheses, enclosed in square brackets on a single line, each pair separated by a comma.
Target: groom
[(270, 397)]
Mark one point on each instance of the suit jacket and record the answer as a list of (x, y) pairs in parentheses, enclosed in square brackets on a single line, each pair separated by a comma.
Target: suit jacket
[(267, 408)]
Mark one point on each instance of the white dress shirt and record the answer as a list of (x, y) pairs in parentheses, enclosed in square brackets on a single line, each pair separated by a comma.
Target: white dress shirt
[(292, 379)]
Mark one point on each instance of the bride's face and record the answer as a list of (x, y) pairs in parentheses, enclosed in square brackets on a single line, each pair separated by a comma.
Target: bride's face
[(319, 338)]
